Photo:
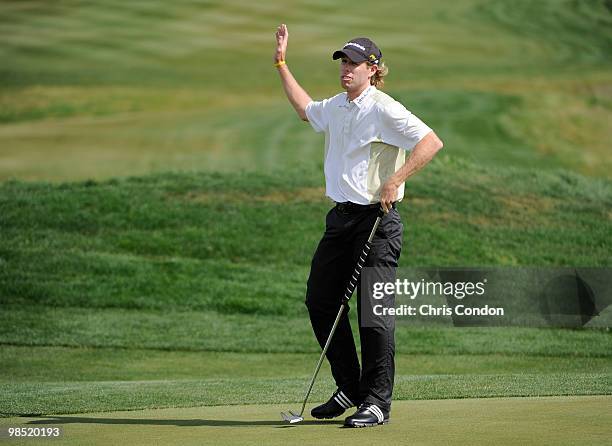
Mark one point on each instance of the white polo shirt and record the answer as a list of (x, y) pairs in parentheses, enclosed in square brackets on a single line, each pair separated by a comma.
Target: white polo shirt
[(366, 141)]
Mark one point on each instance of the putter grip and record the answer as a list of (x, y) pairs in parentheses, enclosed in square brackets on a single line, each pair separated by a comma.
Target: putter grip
[(356, 273)]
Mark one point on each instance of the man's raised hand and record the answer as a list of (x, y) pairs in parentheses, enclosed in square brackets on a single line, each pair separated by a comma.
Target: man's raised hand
[(282, 36)]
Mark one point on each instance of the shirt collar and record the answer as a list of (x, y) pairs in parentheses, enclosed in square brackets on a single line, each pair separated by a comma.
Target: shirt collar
[(359, 100)]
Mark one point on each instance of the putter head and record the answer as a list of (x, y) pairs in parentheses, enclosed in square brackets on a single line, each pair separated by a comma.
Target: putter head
[(292, 417)]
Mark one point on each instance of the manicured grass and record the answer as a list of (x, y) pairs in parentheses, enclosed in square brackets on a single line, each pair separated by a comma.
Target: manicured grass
[(94, 396), (95, 90), (71, 380), (503, 421), (22, 364)]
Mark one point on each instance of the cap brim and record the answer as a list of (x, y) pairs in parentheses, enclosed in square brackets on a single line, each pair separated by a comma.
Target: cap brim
[(347, 52)]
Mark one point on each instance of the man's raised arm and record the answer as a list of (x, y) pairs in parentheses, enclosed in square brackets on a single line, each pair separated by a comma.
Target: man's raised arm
[(295, 93)]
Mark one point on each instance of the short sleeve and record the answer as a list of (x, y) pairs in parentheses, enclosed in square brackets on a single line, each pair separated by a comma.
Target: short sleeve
[(317, 113), (401, 128)]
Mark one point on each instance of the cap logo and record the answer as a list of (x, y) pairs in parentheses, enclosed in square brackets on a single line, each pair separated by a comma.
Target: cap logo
[(372, 57), (362, 48)]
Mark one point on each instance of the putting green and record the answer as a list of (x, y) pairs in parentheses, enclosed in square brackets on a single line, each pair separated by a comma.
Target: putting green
[(548, 420)]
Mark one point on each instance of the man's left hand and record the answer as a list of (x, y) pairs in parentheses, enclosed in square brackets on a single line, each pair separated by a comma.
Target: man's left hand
[(388, 195)]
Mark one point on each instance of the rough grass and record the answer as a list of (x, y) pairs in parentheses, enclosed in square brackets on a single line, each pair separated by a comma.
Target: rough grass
[(156, 243), (210, 331)]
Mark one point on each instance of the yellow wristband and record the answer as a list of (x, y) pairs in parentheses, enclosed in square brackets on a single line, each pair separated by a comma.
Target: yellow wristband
[(279, 63)]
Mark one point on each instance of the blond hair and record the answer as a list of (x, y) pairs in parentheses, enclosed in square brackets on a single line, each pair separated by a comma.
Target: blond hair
[(378, 78)]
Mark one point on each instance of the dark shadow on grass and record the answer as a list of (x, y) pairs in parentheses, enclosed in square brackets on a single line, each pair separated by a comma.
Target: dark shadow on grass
[(170, 422)]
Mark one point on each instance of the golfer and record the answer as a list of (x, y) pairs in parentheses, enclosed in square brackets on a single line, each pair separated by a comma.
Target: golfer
[(367, 136)]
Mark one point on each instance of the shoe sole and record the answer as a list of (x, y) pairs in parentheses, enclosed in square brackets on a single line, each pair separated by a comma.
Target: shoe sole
[(357, 424)]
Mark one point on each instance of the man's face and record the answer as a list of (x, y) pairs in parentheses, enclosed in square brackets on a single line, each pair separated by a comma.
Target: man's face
[(355, 76)]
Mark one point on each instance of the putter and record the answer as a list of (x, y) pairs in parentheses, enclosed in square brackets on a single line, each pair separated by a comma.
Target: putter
[(293, 417)]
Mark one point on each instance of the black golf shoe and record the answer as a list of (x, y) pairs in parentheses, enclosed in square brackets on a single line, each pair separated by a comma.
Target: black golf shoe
[(367, 415), (335, 407)]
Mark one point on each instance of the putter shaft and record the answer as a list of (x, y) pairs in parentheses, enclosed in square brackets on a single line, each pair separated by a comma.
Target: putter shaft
[(318, 367)]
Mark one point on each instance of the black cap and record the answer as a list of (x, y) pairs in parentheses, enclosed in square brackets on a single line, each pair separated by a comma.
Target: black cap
[(359, 50)]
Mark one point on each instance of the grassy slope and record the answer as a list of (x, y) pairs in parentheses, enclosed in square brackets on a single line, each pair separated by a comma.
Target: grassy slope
[(172, 241), (101, 89)]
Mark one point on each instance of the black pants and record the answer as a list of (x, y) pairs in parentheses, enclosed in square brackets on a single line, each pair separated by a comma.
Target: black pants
[(332, 265)]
